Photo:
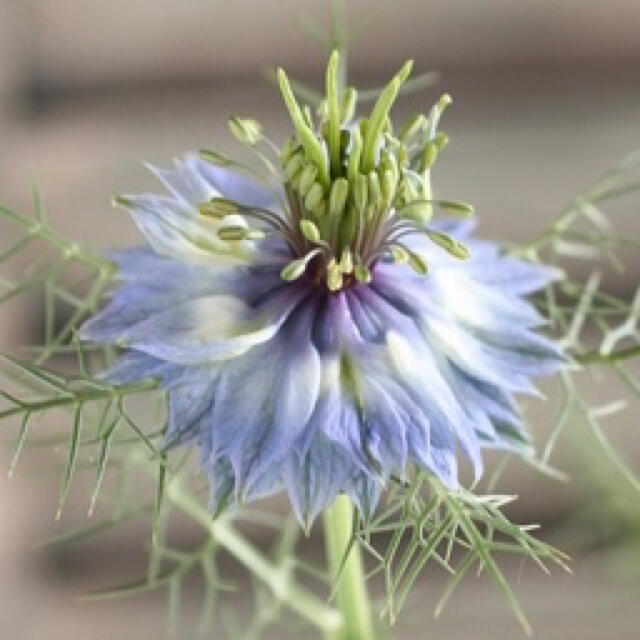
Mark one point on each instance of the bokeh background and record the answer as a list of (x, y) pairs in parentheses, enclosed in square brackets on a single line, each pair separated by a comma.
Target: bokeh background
[(546, 96)]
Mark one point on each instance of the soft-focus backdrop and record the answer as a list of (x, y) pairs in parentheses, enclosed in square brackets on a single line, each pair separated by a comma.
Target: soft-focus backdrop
[(546, 96)]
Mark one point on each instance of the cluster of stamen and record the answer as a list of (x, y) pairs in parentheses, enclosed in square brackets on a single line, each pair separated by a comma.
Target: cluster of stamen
[(353, 189)]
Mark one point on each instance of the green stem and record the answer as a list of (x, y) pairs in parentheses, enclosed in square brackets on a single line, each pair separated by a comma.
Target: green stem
[(350, 590)]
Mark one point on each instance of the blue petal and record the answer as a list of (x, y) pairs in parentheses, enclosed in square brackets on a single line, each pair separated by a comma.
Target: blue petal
[(209, 328), (264, 401), (314, 481)]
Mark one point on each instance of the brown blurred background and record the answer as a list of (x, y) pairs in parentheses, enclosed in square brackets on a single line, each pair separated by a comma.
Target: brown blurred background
[(546, 96)]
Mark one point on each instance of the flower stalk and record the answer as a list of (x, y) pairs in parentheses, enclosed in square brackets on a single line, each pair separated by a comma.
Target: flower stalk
[(350, 589)]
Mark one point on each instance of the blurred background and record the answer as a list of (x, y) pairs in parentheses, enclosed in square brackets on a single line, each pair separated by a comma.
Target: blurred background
[(546, 97)]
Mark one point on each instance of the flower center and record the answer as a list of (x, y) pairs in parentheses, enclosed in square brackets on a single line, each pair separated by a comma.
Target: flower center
[(354, 188)]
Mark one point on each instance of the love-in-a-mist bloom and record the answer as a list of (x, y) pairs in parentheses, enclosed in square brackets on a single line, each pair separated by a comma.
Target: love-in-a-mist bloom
[(324, 332)]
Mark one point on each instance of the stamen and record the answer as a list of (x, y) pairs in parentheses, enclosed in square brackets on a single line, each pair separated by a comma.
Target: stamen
[(346, 262), (449, 244), (310, 231), (218, 208), (294, 269), (246, 130), (235, 233), (334, 276), (362, 273)]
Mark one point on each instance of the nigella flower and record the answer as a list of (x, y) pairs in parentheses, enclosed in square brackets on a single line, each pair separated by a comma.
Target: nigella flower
[(328, 333)]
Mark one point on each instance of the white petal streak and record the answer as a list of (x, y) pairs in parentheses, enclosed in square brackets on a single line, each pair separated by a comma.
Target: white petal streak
[(211, 328)]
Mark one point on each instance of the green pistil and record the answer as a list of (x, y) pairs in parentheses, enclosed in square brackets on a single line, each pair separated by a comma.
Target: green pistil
[(333, 114), (379, 116), (311, 144)]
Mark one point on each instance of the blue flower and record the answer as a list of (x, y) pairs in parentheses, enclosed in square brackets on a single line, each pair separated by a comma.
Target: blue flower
[(325, 335)]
